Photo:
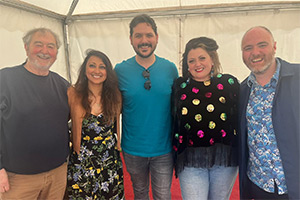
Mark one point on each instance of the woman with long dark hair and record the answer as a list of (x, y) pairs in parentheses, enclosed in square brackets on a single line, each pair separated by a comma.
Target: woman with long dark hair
[(95, 166)]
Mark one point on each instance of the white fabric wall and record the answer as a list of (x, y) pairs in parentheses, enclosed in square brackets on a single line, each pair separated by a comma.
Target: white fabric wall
[(228, 30), (112, 37), (14, 23)]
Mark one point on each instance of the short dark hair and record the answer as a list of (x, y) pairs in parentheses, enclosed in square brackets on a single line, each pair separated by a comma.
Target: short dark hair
[(143, 18)]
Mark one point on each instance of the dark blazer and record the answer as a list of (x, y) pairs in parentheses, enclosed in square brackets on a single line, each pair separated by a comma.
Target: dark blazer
[(286, 120)]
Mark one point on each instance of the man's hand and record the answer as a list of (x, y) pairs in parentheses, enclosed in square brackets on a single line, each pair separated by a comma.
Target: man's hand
[(4, 184)]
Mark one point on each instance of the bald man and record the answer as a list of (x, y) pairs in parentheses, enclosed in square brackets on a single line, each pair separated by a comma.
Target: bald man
[(269, 121)]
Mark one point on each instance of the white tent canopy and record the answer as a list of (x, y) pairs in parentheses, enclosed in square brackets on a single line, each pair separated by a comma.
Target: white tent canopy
[(104, 25)]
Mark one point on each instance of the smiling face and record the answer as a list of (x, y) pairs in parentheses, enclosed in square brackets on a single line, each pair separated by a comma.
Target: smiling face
[(41, 51), (143, 40), (199, 64), (95, 70), (259, 49)]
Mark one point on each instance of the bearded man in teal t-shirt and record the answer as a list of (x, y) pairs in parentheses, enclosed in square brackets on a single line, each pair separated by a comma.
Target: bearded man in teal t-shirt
[(145, 81)]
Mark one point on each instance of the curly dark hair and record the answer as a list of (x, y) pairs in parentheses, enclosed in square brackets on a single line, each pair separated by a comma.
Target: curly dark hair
[(110, 97), (207, 44)]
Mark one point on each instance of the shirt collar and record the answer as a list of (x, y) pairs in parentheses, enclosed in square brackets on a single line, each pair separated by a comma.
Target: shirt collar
[(252, 79)]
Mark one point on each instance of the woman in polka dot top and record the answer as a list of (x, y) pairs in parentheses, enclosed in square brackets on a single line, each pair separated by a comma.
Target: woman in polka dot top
[(205, 123)]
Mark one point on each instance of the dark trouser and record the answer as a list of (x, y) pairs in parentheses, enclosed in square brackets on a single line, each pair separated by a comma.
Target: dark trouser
[(257, 193), (160, 169)]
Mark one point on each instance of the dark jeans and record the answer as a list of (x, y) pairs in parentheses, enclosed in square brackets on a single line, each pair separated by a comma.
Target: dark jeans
[(257, 193), (160, 168)]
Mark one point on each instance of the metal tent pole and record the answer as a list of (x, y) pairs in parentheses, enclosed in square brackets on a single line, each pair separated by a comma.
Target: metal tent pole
[(66, 38)]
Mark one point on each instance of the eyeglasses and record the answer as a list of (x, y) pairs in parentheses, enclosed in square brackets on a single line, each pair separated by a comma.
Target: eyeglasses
[(146, 75)]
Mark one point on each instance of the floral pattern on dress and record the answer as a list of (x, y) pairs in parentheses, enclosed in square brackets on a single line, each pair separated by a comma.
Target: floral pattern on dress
[(96, 173)]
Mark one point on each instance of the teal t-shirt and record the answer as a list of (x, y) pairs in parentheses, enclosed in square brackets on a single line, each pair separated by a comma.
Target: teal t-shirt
[(146, 114)]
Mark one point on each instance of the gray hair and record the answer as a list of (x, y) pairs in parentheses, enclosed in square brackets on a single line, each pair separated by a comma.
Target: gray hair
[(28, 36)]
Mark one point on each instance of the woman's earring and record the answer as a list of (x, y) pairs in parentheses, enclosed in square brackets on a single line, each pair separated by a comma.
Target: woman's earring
[(212, 71)]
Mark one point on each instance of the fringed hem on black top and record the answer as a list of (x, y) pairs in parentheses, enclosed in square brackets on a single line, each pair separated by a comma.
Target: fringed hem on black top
[(206, 157)]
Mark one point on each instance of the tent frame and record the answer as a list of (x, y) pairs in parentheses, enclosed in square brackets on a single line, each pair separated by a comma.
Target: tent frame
[(170, 11)]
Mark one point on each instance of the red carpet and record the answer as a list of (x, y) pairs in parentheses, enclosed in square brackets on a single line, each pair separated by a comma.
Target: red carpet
[(175, 189)]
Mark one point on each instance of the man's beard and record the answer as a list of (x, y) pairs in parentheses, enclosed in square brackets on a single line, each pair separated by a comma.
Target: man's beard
[(141, 55), (264, 68), (37, 64)]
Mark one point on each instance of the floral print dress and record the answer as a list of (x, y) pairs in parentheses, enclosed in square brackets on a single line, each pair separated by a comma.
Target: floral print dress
[(96, 173)]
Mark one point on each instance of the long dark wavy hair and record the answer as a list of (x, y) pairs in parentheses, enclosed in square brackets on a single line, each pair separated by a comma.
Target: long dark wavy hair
[(110, 96), (207, 44)]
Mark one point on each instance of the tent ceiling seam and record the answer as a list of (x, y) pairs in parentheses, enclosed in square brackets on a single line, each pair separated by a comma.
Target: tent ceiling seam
[(179, 10), (191, 10), (71, 10), (32, 9)]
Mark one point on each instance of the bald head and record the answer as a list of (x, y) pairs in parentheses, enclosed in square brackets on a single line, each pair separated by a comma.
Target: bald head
[(259, 30), (258, 48)]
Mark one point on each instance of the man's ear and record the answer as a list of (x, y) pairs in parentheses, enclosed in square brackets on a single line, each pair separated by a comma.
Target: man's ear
[(26, 48), (275, 47), (130, 38)]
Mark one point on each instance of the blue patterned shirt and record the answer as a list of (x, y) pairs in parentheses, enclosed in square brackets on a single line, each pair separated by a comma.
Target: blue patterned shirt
[(265, 165)]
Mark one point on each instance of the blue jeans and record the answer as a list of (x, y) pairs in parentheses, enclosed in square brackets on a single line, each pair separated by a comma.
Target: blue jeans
[(160, 169), (202, 183)]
